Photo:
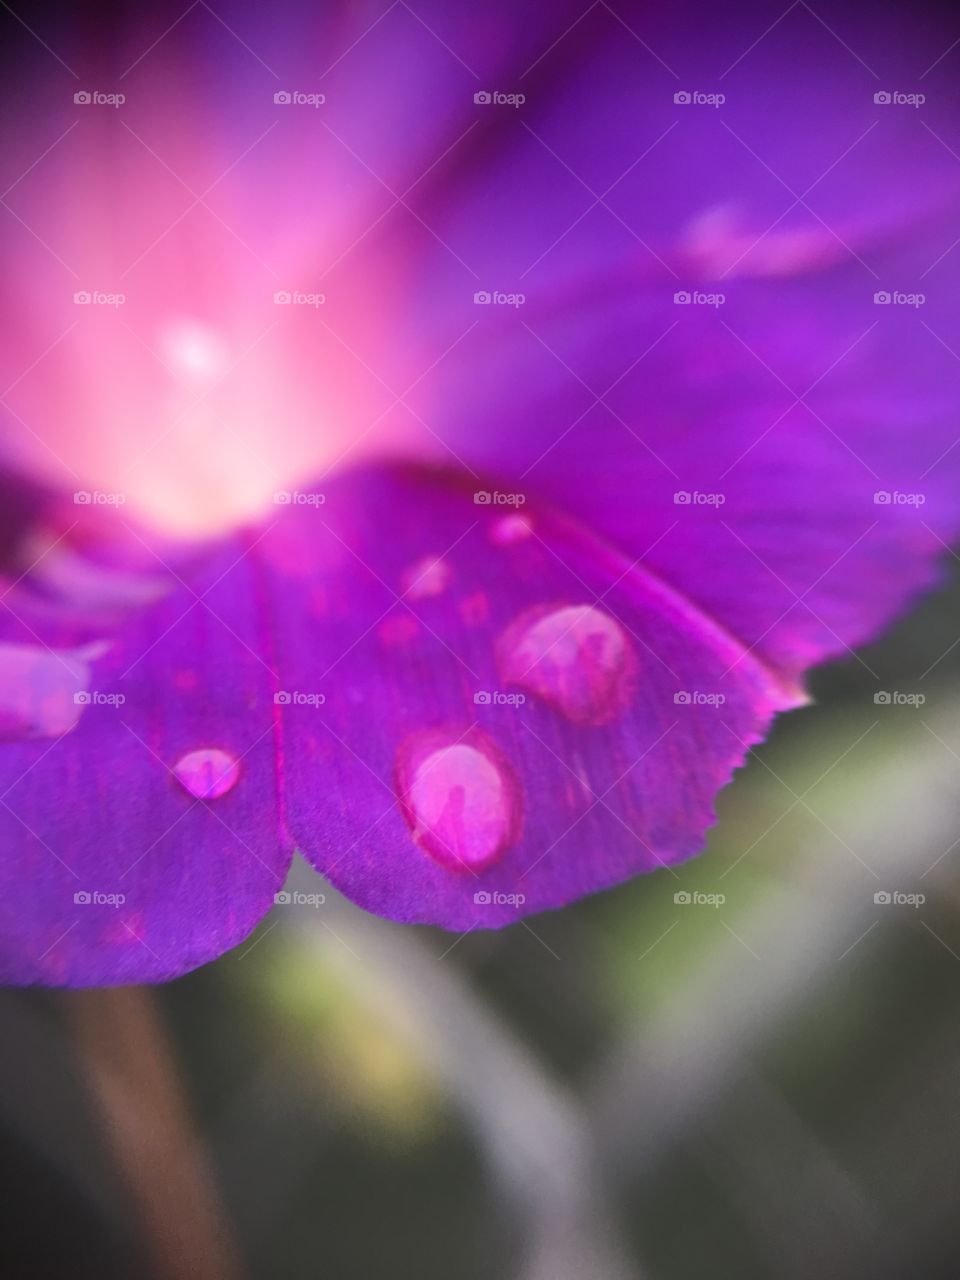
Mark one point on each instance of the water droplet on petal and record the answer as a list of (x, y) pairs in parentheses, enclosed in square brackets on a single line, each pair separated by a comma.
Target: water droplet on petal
[(428, 577), (207, 774), (578, 659), (461, 800), (43, 692), (509, 530)]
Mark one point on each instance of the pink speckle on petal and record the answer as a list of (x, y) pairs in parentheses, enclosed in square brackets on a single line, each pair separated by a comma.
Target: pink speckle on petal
[(428, 577), (509, 530), (398, 629), (475, 609)]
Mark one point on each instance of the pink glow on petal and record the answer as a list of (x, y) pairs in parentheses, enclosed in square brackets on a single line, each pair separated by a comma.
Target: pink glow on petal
[(509, 530)]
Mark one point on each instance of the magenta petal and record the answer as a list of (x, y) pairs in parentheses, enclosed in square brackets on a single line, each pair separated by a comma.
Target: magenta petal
[(487, 714), (129, 857)]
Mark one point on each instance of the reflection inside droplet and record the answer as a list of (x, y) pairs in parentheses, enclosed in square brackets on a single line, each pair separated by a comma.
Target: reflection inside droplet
[(462, 801), (207, 773), (43, 692), (578, 659)]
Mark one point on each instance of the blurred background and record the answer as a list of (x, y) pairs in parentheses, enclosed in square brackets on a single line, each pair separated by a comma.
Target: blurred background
[(758, 1081)]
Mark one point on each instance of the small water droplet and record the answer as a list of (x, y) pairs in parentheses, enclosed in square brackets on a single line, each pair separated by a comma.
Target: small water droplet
[(208, 773), (509, 530), (461, 800), (578, 659), (428, 577)]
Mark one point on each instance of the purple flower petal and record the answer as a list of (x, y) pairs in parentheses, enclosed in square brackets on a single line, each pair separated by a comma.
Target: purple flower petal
[(137, 787), (487, 715), (788, 457)]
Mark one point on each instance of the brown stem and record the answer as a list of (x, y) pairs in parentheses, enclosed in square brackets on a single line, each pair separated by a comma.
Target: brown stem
[(134, 1081)]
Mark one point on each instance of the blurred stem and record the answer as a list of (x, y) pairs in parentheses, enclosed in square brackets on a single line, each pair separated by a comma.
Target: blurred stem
[(126, 1056)]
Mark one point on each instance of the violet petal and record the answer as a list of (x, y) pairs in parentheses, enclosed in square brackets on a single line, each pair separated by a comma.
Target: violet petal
[(483, 720), (116, 872)]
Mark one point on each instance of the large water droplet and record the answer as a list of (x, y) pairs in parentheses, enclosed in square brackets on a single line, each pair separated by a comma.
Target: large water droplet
[(461, 800), (208, 773), (578, 659), (43, 692)]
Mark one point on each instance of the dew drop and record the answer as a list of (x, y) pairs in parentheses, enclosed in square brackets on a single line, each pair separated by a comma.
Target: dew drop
[(208, 773), (428, 577), (460, 799), (578, 659), (509, 530)]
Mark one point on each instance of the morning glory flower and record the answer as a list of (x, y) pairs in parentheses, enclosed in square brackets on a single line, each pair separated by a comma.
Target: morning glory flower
[(441, 440)]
